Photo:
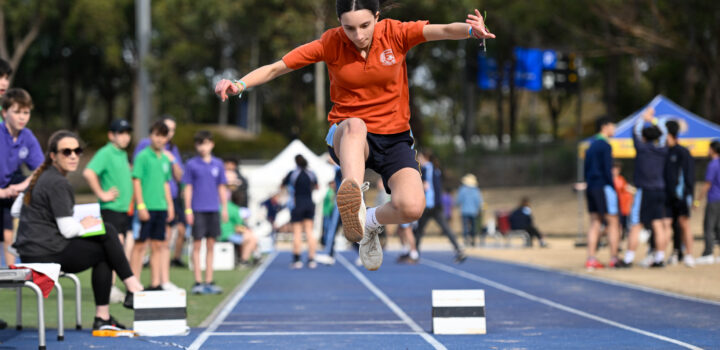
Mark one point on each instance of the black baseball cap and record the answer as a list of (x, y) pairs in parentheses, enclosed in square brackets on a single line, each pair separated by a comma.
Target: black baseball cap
[(120, 125)]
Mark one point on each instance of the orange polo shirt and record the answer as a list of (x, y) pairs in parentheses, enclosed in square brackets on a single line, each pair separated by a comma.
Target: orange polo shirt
[(373, 89)]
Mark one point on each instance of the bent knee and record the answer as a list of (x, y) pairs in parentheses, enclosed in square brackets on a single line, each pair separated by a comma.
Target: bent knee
[(354, 126), (411, 211)]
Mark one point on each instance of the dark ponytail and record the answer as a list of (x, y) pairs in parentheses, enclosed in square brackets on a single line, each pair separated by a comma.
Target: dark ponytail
[(52, 148), (374, 6)]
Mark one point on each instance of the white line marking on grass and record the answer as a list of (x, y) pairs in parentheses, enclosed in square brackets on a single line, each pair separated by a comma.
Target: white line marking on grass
[(606, 281), (550, 303), (273, 334), (255, 323), (396, 309), (200, 340)]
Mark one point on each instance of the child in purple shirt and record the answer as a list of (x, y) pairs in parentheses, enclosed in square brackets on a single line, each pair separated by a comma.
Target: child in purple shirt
[(18, 146), (205, 183), (711, 189)]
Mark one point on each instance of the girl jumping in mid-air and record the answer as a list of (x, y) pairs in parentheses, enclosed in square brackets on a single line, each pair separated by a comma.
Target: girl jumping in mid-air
[(370, 118)]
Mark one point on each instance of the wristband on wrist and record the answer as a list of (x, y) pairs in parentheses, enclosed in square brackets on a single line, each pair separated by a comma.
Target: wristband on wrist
[(141, 206), (240, 83), (470, 33), (188, 211)]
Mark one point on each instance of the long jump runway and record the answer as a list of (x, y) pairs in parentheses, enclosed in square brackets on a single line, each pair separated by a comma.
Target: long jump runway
[(346, 307)]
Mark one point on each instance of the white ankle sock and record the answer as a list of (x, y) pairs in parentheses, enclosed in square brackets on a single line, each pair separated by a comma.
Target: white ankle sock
[(370, 219), (414, 254), (629, 256), (659, 256)]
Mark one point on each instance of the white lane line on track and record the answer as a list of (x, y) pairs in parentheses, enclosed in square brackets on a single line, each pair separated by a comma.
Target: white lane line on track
[(517, 292), (606, 281), (255, 323), (396, 309), (272, 334), (200, 340)]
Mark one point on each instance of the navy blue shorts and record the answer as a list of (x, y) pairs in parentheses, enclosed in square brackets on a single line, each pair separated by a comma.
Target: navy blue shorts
[(388, 153), (302, 211), (121, 221), (206, 225), (675, 207), (7, 222), (179, 212), (602, 200), (154, 228), (648, 205)]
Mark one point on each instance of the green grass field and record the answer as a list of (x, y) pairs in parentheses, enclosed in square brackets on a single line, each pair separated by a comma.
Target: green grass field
[(198, 308)]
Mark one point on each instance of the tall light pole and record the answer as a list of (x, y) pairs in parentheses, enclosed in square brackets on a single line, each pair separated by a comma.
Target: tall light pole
[(142, 87)]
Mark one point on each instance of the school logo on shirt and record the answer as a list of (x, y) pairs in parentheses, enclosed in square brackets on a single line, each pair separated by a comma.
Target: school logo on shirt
[(166, 168), (387, 58), (215, 172), (23, 153)]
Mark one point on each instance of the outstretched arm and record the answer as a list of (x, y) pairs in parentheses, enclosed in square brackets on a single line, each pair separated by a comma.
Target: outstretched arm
[(259, 76), (474, 26)]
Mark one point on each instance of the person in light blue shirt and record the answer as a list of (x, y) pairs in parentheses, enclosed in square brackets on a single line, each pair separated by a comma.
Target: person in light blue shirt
[(470, 201)]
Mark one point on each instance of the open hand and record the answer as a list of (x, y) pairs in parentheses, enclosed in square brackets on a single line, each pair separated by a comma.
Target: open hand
[(226, 87), (479, 29)]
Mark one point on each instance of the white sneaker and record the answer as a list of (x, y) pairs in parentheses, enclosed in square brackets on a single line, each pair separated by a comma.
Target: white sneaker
[(689, 261), (705, 260), (358, 262), (169, 286), (648, 260), (312, 264), (352, 209), (116, 295), (673, 260), (325, 259), (296, 265), (370, 251)]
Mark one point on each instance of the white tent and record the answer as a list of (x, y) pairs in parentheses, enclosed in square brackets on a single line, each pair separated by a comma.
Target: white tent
[(265, 181)]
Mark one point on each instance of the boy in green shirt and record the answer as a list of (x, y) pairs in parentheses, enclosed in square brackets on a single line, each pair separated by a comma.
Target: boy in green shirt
[(151, 173), (108, 175)]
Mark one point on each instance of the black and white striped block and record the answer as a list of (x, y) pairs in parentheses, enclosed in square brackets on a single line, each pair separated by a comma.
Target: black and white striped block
[(160, 313), (458, 311)]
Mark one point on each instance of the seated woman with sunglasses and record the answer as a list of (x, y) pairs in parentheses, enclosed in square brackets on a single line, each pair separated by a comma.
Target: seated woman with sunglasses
[(48, 233)]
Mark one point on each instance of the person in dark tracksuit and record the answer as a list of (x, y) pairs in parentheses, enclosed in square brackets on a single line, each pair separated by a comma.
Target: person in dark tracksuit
[(432, 180), (601, 197), (300, 183), (649, 137), (679, 188)]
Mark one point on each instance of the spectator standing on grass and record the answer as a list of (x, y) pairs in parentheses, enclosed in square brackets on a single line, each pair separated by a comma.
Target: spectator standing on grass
[(601, 197), (679, 189), (625, 197), (108, 175), (711, 192), (649, 138), (18, 146), (154, 205), (179, 223), (205, 191), (470, 201)]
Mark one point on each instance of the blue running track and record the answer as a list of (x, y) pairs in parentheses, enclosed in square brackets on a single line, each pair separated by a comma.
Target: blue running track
[(346, 307)]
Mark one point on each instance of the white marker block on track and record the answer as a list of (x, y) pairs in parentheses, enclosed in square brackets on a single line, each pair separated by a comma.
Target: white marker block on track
[(458, 311)]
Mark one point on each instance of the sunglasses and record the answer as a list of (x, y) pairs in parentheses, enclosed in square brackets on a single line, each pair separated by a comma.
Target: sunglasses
[(68, 151)]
